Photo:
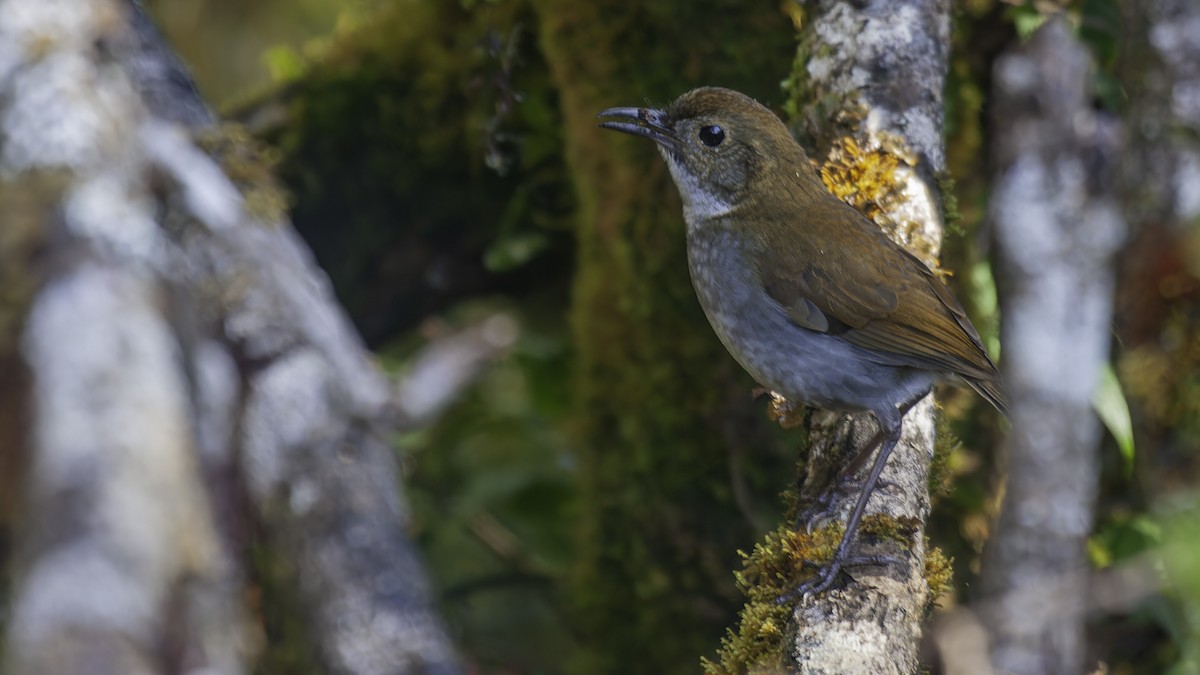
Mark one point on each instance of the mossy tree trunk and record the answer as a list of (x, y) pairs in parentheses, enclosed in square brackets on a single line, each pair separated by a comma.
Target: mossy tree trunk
[(868, 94), (660, 527)]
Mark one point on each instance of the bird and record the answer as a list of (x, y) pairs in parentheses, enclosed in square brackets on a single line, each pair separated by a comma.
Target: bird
[(810, 297)]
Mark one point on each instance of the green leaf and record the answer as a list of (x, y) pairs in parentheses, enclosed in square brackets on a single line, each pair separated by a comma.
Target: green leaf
[(1109, 402)]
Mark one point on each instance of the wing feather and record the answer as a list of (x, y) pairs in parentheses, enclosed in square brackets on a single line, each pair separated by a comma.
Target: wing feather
[(888, 302)]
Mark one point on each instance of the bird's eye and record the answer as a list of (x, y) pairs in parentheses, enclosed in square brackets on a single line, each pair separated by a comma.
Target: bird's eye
[(712, 135)]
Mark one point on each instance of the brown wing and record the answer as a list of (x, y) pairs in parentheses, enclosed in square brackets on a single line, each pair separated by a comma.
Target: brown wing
[(887, 301)]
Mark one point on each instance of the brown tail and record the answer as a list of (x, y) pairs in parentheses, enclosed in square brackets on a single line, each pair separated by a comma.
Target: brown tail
[(993, 391)]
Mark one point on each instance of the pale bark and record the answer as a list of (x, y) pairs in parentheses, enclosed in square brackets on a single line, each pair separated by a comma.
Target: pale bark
[(886, 62), (189, 371), (1057, 228)]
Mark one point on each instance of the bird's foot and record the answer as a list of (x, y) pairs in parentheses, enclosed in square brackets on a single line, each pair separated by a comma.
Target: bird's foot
[(828, 573)]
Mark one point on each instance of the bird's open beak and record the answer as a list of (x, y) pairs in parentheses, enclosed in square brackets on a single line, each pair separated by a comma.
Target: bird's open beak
[(645, 122)]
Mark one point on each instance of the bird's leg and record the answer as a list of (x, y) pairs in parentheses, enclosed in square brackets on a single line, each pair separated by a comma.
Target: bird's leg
[(842, 484), (863, 455), (821, 508), (889, 435), (827, 574)]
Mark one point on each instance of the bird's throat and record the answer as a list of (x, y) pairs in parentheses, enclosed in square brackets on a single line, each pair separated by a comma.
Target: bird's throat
[(700, 202)]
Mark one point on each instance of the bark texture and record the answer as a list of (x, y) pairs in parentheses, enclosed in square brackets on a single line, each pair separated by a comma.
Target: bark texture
[(884, 64), (190, 379), (1057, 228)]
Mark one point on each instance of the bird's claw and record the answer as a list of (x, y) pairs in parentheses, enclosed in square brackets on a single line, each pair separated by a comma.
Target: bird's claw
[(819, 511), (817, 583), (828, 573), (821, 581)]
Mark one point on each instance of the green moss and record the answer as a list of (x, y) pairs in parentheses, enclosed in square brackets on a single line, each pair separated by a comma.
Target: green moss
[(951, 218), (421, 148), (773, 570), (818, 115), (654, 385), (251, 165), (939, 574), (945, 445)]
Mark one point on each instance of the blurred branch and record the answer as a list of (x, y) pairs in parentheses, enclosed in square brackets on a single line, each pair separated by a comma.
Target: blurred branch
[(446, 367), (161, 79), (1057, 229), (180, 342)]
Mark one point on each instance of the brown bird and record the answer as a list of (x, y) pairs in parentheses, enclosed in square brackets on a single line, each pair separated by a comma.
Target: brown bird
[(809, 296)]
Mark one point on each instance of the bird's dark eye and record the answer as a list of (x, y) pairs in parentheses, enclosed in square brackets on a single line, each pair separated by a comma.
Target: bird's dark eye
[(712, 135)]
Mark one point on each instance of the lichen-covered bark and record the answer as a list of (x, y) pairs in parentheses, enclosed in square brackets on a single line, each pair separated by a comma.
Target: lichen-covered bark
[(874, 71), (1057, 228), (660, 403), (188, 373)]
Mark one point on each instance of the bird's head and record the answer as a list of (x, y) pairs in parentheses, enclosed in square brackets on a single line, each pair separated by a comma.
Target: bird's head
[(719, 144)]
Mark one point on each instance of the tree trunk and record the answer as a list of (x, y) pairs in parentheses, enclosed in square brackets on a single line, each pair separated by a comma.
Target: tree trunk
[(868, 87), (189, 377), (1057, 228)]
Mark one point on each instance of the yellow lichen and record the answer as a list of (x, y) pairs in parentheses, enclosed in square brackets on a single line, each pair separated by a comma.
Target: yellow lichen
[(865, 179), (864, 175)]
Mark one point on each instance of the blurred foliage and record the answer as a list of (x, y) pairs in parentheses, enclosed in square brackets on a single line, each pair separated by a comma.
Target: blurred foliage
[(581, 507), (1113, 409), (1180, 519), (1156, 344), (418, 179), (248, 33), (493, 496)]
